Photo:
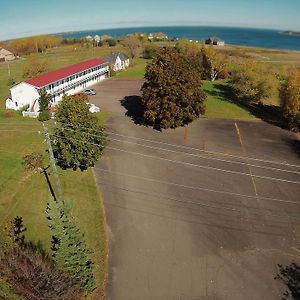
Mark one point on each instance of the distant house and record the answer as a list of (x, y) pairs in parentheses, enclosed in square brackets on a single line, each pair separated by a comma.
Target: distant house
[(89, 38), (6, 55), (105, 37), (158, 36), (118, 61), (215, 41), (66, 81)]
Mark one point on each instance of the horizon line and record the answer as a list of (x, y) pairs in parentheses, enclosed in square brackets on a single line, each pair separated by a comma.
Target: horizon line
[(150, 26)]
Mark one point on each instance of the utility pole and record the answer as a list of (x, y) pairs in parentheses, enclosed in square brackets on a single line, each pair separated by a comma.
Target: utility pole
[(8, 68), (53, 165)]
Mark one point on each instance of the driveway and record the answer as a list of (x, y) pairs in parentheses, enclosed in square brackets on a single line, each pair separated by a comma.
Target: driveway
[(202, 212)]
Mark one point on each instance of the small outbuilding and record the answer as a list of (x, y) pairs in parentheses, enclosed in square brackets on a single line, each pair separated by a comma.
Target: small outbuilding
[(215, 41), (6, 55), (118, 61)]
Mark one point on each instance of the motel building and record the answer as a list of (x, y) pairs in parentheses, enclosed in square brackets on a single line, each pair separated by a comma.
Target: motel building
[(66, 81)]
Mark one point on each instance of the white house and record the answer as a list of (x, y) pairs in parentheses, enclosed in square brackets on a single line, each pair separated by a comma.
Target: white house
[(215, 41), (118, 61), (66, 81), (6, 55)]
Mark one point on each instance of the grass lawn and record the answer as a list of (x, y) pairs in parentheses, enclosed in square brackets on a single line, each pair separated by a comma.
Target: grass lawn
[(136, 71), (26, 194), (219, 106)]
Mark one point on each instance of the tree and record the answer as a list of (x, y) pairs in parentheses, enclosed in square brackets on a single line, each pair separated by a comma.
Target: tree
[(68, 246), (186, 47), (252, 82), (213, 62), (19, 230), (149, 51), (112, 42), (171, 95), (79, 137), (34, 67), (44, 101), (133, 44), (290, 99), (290, 276)]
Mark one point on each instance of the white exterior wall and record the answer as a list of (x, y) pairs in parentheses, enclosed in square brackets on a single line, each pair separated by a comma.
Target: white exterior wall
[(23, 94), (73, 85), (120, 65)]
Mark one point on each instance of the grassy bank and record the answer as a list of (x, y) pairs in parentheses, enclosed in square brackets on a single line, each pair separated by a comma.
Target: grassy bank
[(219, 105), (26, 194)]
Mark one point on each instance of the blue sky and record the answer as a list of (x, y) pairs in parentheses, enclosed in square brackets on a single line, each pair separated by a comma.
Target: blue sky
[(31, 17)]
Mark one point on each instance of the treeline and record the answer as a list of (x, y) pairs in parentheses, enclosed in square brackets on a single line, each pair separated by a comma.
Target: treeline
[(34, 44)]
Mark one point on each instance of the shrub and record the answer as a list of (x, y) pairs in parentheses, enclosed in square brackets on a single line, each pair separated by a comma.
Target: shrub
[(290, 99), (252, 82), (149, 51), (33, 275), (112, 42), (23, 108), (44, 116)]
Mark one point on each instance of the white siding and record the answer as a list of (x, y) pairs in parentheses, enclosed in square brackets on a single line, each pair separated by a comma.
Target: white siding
[(23, 94)]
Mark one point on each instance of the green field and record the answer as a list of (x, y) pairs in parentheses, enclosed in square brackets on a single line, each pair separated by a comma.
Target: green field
[(136, 71), (219, 105), (26, 194)]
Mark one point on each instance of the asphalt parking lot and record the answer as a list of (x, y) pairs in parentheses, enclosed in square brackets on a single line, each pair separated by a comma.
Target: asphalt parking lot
[(202, 212)]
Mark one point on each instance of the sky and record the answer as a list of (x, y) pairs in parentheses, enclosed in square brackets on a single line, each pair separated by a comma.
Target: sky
[(20, 18)]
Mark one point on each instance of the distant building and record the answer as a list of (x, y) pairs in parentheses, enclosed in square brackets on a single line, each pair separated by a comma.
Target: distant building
[(89, 38), (118, 61), (6, 55), (105, 37), (215, 41), (66, 81), (158, 36)]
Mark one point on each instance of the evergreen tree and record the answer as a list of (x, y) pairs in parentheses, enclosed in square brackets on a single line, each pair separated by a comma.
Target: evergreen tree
[(44, 101), (171, 95), (68, 246), (79, 137), (19, 230)]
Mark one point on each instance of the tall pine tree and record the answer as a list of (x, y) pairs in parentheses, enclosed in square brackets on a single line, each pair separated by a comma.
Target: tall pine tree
[(69, 248)]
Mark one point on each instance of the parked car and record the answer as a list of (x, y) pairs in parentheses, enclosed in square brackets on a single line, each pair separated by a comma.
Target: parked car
[(89, 92)]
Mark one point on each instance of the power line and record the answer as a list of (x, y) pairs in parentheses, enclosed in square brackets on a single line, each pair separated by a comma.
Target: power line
[(196, 155), (193, 187), (206, 158), (220, 207), (186, 163), (209, 152), (199, 188), (190, 148), (204, 167)]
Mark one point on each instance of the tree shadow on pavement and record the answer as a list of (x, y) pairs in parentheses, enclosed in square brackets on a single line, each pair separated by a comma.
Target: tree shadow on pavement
[(295, 145), (134, 109)]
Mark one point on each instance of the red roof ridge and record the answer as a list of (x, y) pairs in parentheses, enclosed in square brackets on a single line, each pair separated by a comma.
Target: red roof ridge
[(45, 79)]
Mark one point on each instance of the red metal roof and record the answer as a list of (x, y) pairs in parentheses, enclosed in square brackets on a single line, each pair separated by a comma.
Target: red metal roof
[(50, 77)]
